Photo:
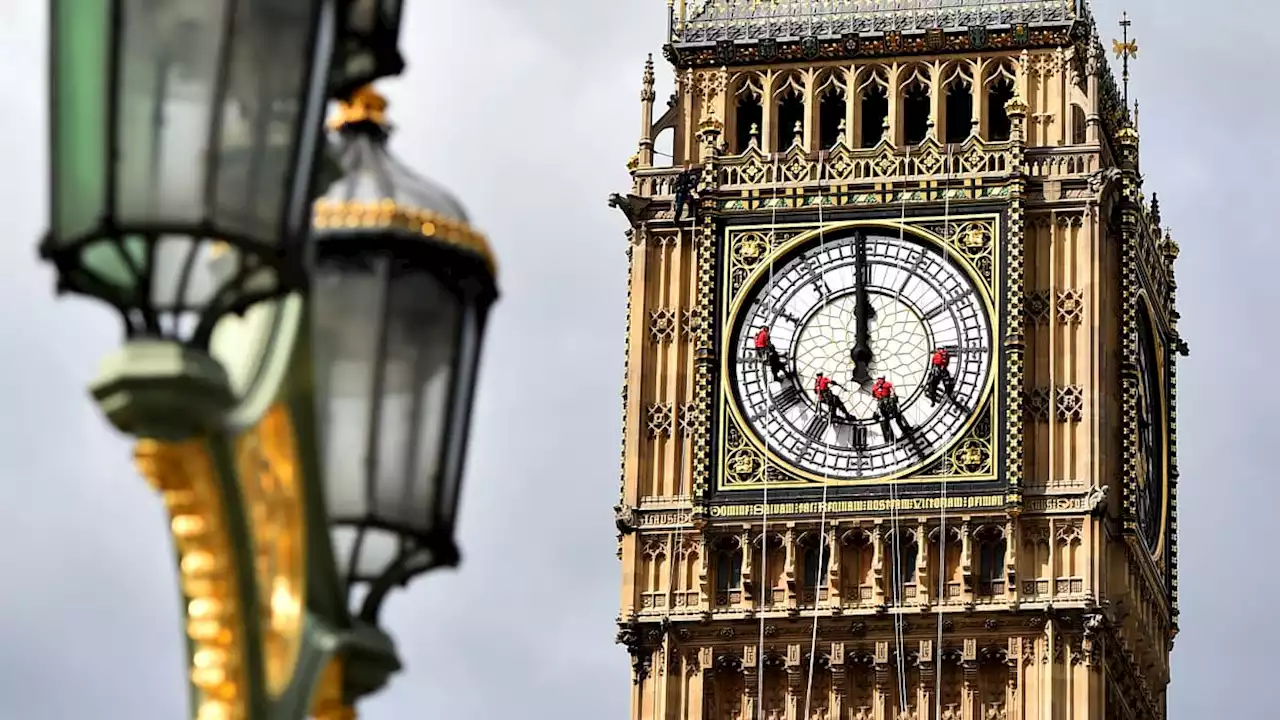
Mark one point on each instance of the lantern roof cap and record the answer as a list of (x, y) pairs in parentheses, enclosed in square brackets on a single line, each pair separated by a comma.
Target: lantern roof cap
[(376, 192)]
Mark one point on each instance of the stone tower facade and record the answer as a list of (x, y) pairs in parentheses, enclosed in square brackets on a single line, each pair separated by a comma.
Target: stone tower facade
[(950, 199)]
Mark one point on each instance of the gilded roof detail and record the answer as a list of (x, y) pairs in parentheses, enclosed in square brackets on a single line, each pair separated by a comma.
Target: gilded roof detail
[(710, 21)]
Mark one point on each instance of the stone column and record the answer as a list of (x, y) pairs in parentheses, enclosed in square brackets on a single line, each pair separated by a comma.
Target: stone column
[(647, 96), (750, 682), (877, 566), (698, 666), (839, 679), (883, 683), (928, 679), (969, 696), (795, 683)]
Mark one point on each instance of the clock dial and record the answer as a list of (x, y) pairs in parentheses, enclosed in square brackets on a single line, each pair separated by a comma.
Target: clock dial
[(1151, 477), (857, 308)]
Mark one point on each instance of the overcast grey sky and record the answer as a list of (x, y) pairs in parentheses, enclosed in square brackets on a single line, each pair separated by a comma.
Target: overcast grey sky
[(528, 110)]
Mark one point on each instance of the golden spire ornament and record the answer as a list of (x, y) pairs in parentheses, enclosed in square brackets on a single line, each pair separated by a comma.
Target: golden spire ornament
[(1125, 49)]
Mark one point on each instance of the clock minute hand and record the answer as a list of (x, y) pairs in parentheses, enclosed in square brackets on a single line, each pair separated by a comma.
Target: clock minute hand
[(861, 353)]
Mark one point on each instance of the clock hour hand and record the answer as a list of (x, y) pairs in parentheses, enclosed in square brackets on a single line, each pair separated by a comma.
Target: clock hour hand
[(861, 353)]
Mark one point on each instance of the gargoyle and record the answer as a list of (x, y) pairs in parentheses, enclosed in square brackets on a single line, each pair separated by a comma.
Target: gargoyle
[(624, 517), (633, 206), (1097, 500), (1101, 180)]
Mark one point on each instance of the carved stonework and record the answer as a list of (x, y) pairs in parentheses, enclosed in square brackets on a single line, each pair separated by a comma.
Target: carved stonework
[(691, 322), (1037, 404), (1070, 307), (1038, 307), (659, 419), (1070, 403), (690, 419), (662, 325)]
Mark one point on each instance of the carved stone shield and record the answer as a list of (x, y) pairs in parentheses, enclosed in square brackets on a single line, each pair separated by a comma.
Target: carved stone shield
[(978, 37)]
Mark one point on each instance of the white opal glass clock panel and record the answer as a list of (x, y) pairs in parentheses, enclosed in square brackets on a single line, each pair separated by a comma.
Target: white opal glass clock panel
[(920, 300)]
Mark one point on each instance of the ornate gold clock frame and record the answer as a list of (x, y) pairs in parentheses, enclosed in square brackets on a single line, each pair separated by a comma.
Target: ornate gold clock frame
[(968, 240)]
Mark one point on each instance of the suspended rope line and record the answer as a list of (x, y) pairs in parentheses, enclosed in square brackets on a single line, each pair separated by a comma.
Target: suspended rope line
[(898, 571), (821, 573), (942, 515), (764, 584)]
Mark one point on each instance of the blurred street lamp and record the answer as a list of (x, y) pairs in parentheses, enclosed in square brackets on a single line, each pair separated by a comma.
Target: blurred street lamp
[(178, 127), (400, 293), (298, 400)]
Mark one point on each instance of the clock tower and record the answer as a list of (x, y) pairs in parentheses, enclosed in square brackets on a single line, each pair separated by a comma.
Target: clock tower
[(899, 406)]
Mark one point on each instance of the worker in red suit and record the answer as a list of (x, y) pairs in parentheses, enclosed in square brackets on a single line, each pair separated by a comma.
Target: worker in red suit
[(939, 375), (822, 387), (768, 355), (939, 378), (887, 409)]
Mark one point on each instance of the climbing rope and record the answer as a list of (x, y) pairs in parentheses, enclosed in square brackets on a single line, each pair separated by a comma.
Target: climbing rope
[(899, 639), (820, 574), (942, 513), (764, 583)]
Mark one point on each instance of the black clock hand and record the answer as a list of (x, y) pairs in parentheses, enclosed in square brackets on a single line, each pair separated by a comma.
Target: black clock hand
[(861, 353)]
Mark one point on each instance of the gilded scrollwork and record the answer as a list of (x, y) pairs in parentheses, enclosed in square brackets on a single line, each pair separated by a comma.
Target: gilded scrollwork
[(268, 464), (1015, 291), (973, 240), (972, 457), (744, 465), (704, 366), (748, 249), (184, 475)]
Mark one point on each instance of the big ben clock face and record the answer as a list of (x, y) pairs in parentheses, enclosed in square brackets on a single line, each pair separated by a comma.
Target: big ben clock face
[(1151, 428), (861, 355)]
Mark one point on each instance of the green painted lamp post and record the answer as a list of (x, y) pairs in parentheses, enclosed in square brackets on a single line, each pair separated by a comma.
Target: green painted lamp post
[(368, 44), (301, 399)]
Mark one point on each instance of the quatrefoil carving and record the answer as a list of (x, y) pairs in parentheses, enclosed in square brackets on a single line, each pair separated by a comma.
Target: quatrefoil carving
[(1037, 404), (1039, 305), (662, 325), (1070, 403), (1070, 307), (660, 419)]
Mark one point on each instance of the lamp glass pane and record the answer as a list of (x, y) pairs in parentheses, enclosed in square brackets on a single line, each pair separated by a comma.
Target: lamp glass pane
[(185, 273), (455, 455), (368, 559), (268, 78), (166, 107), (112, 263), (81, 43), (422, 322), (346, 306)]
